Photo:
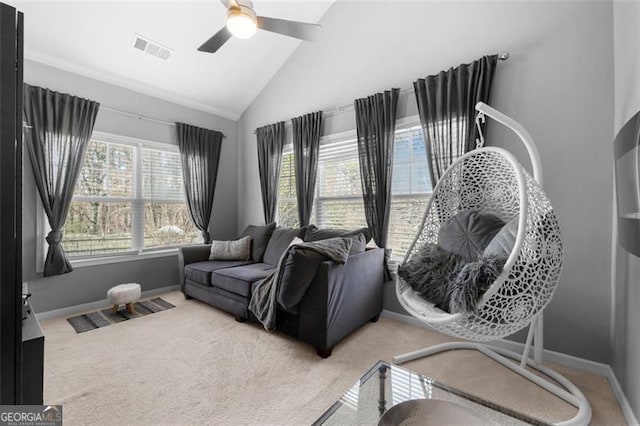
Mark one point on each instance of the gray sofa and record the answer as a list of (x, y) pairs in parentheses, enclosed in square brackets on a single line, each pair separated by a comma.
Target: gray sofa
[(340, 298)]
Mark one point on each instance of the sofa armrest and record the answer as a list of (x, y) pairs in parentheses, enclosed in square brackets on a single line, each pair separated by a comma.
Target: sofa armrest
[(195, 253), (191, 254), (342, 298)]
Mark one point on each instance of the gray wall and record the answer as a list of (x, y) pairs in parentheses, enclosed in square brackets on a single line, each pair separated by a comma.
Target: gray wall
[(88, 284), (558, 84), (626, 285)]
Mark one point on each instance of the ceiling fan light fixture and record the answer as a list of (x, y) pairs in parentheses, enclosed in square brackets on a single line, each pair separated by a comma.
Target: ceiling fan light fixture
[(242, 22)]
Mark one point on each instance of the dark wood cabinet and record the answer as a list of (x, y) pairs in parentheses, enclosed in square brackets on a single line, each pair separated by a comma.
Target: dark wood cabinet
[(32, 361)]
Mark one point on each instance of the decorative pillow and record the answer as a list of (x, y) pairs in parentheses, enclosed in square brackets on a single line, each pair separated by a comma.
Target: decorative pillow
[(231, 250), (259, 238), (468, 233), (502, 244), (428, 271), (472, 281), (298, 271), (358, 243), (278, 243), (447, 280), (300, 264), (315, 234)]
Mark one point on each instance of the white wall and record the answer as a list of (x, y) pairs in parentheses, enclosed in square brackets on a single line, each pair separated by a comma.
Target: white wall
[(89, 284), (626, 288), (558, 83)]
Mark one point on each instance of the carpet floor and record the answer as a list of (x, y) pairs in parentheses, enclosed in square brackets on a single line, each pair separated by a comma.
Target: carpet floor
[(195, 364)]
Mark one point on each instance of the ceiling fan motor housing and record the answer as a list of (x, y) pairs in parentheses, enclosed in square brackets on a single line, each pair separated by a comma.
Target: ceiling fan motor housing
[(243, 22)]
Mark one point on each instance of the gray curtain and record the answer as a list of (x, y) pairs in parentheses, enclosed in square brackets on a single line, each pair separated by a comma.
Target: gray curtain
[(446, 105), (376, 126), (271, 141), (307, 130), (58, 133), (200, 155)]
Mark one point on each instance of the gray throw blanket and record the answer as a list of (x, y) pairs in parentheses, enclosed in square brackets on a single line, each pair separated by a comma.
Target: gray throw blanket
[(264, 302)]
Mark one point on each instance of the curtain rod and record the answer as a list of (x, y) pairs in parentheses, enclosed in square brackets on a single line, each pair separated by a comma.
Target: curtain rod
[(141, 117), (503, 56)]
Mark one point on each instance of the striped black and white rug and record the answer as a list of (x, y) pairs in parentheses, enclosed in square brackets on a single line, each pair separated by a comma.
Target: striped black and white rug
[(105, 317)]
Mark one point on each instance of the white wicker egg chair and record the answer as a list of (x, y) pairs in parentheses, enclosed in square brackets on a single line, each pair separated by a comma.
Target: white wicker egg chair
[(491, 180)]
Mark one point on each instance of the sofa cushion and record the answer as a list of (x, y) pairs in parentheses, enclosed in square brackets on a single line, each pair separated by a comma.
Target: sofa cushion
[(280, 240), (260, 236), (200, 272), (238, 280), (313, 233), (222, 299)]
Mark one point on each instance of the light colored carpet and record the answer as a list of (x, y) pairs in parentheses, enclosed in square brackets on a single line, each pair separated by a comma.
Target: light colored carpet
[(195, 364)]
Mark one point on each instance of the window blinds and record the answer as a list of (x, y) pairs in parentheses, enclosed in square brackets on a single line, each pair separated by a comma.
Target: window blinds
[(161, 175)]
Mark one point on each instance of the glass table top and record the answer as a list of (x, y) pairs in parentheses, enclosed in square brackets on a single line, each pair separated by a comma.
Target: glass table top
[(386, 385)]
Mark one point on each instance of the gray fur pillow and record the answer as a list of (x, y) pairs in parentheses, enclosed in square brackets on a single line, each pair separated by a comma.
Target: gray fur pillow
[(428, 272), (447, 280), (472, 281)]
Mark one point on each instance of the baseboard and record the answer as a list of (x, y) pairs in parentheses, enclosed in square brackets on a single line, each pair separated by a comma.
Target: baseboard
[(570, 361), (87, 307), (407, 319), (552, 356), (627, 411)]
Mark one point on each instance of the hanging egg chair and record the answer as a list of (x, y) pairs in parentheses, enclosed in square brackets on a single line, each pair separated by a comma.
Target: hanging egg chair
[(491, 180)]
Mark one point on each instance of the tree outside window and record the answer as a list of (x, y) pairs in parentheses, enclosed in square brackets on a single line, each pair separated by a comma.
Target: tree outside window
[(128, 198)]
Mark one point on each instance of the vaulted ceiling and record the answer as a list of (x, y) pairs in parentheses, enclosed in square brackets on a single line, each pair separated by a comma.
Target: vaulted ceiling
[(95, 38)]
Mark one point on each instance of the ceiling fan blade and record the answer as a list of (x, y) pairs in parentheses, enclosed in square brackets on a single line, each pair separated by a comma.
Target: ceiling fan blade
[(216, 41), (295, 29)]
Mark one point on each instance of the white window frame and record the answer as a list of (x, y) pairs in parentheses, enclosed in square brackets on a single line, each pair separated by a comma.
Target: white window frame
[(137, 237)]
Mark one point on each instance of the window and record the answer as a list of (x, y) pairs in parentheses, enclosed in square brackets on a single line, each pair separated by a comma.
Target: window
[(129, 197), (410, 189), (166, 216), (338, 202), (287, 204)]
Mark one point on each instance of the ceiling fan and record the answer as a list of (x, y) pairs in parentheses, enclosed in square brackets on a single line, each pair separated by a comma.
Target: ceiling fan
[(243, 22)]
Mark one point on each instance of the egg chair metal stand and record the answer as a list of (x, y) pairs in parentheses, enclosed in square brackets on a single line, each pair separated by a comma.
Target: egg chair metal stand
[(491, 180)]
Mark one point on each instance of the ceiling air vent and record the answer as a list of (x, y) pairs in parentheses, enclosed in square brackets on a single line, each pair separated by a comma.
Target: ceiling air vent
[(151, 47)]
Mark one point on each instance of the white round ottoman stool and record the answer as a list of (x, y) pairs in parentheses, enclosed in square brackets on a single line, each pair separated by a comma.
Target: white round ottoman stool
[(123, 294)]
